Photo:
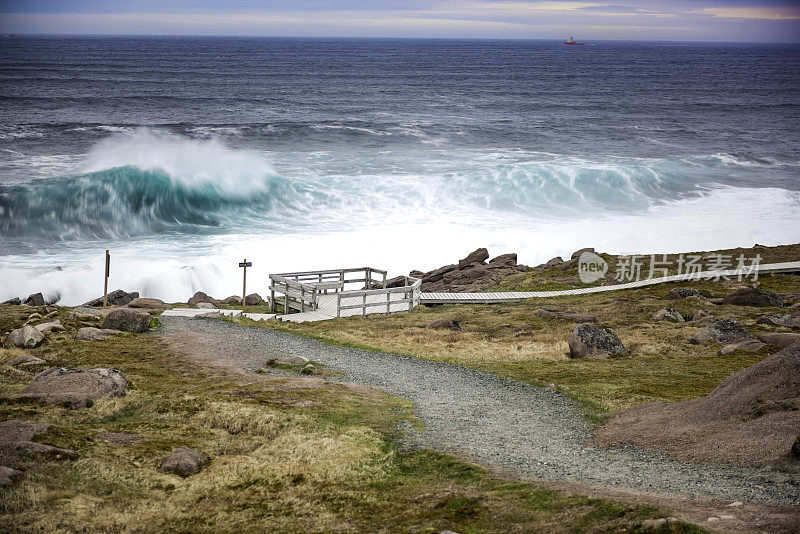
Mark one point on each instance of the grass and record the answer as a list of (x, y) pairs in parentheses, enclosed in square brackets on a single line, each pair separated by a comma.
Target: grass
[(510, 340), (284, 455)]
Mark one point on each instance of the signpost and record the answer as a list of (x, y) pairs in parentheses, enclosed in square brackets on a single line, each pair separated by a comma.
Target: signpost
[(105, 286), (245, 264)]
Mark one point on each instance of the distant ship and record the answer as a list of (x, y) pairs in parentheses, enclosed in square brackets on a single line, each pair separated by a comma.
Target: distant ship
[(571, 41)]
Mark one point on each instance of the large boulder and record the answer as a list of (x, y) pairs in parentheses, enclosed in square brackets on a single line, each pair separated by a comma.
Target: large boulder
[(16, 301), (437, 274), (722, 331), (682, 293), (74, 387), (148, 304), (577, 253), (553, 262), (504, 259), (83, 312), (127, 320), (397, 281), (184, 462), (37, 299), (253, 299), (592, 341), (89, 333), (202, 297), (26, 337), (233, 299), (668, 314), (117, 297), (790, 321), (476, 256), (753, 297)]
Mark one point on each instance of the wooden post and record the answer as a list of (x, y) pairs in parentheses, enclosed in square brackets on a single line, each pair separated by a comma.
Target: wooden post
[(364, 304), (338, 304), (388, 301), (272, 307), (384, 280), (244, 264), (105, 285)]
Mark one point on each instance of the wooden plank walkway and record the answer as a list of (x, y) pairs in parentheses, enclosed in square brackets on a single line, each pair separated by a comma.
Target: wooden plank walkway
[(327, 306)]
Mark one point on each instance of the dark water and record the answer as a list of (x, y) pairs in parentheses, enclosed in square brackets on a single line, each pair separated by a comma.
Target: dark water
[(141, 142)]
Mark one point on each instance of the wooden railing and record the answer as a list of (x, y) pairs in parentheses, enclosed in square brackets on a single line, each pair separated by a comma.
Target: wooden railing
[(300, 290), (411, 295)]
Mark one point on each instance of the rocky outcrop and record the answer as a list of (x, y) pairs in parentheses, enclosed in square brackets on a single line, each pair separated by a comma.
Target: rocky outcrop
[(471, 273), (148, 304), (12, 302), (253, 299), (577, 253), (509, 260), (37, 299), (789, 321), (202, 297), (184, 462), (722, 331), (753, 297), (127, 320), (115, 298), (16, 442), (592, 341), (26, 337), (682, 293), (74, 387), (575, 317), (668, 314), (477, 256), (89, 333)]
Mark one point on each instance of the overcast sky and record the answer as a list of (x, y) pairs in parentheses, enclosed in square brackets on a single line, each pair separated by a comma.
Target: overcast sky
[(679, 20)]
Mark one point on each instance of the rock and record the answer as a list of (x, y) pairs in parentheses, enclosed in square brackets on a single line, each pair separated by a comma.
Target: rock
[(577, 253), (8, 475), (204, 306), (751, 345), (699, 314), (26, 337), (127, 320), (34, 316), (682, 293), (184, 462), (554, 262), (309, 369), (397, 281), (148, 304), (566, 314), (437, 274), (476, 256), (202, 297), (253, 299), (74, 387), (668, 314), (15, 443), (569, 264), (210, 315), (82, 312), (90, 333), (26, 360), (233, 299), (753, 297), (37, 299), (46, 328), (723, 331), (12, 302), (450, 324), (790, 321), (591, 341), (796, 448), (779, 339), (504, 259), (291, 360), (115, 298)]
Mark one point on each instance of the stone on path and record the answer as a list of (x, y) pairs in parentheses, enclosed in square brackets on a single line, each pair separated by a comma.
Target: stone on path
[(26, 337), (184, 462), (291, 360), (592, 341), (127, 320), (74, 387)]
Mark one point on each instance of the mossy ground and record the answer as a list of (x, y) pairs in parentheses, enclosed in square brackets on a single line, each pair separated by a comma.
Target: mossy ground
[(283, 457)]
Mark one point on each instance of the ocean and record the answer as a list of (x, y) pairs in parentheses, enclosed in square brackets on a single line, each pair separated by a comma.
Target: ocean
[(183, 156)]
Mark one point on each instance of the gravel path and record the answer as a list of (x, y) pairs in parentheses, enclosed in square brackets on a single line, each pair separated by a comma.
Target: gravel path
[(501, 424)]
